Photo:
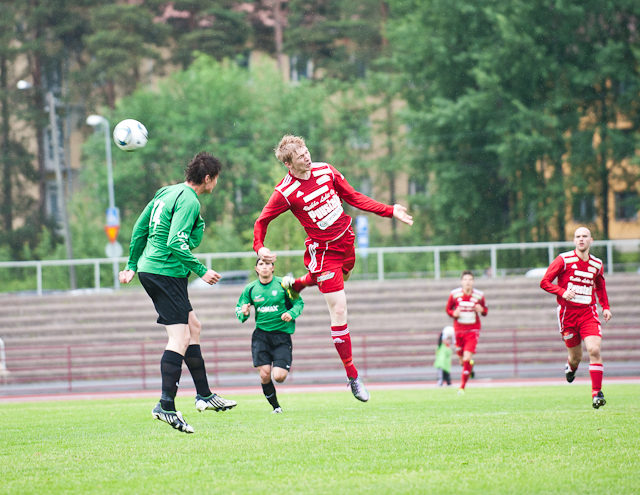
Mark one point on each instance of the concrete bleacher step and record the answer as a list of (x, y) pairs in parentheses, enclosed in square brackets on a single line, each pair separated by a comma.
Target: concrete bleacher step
[(400, 319)]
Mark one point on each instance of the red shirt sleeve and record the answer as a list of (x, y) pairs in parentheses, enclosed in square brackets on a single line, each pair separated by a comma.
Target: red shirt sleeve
[(552, 273), (601, 290), (359, 200), (274, 207), (485, 310), (451, 305)]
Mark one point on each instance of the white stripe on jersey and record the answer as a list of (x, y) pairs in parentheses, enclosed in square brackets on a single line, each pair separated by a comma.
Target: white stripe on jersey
[(595, 264), (323, 179), (291, 188), (580, 273), (315, 193)]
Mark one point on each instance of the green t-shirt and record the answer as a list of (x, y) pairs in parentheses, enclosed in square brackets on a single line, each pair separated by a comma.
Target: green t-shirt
[(166, 231), (443, 358), (270, 302)]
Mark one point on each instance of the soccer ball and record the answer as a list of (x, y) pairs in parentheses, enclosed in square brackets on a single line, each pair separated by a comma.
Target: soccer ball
[(130, 135)]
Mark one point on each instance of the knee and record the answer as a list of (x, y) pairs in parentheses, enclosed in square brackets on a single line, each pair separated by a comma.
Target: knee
[(280, 376), (594, 353), (340, 310), (195, 327), (265, 376)]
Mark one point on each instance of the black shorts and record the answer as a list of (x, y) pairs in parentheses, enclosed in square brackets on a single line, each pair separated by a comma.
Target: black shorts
[(169, 296), (271, 347)]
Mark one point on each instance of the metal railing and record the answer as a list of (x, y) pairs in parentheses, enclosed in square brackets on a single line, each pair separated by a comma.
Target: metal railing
[(134, 365), (379, 253)]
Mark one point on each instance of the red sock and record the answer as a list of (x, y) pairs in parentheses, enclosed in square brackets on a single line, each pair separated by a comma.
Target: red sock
[(342, 341), (302, 282), (571, 366), (466, 371), (596, 371)]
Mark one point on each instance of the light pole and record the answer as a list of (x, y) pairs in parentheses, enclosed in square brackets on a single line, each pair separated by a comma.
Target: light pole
[(61, 199), (113, 216)]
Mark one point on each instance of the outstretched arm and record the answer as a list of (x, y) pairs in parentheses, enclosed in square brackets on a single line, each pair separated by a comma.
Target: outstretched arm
[(274, 207)]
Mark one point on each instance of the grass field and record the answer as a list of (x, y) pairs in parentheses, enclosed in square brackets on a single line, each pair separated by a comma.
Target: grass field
[(501, 440)]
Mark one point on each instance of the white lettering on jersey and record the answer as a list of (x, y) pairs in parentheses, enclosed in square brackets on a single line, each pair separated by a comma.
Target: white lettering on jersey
[(592, 269), (330, 219), (467, 317), (154, 218), (315, 193), (267, 309), (325, 209)]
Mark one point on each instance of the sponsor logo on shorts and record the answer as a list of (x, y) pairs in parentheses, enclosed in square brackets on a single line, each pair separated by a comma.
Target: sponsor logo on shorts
[(567, 336), (338, 340), (326, 276)]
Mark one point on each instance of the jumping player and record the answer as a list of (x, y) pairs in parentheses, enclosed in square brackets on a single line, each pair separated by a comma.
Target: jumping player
[(161, 242), (465, 305), (275, 315), (580, 277), (314, 193)]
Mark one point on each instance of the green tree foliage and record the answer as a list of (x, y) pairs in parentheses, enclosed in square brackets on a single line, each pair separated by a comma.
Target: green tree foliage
[(495, 90), (122, 37), (341, 38), (213, 27), (237, 115)]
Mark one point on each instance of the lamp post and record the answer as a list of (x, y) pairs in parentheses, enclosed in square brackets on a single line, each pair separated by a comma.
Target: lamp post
[(113, 216), (61, 200)]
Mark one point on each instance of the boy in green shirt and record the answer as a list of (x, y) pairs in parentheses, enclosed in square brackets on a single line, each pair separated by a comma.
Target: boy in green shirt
[(275, 315), (160, 251), (443, 356)]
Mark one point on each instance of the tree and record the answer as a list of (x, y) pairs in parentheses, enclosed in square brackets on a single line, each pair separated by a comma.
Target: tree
[(122, 37), (495, 93)]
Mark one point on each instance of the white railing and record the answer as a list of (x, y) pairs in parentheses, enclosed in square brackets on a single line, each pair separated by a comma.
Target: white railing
[(379, 252)]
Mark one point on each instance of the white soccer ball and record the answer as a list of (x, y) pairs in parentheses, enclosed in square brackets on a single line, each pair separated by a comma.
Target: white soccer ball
[(130, 135)]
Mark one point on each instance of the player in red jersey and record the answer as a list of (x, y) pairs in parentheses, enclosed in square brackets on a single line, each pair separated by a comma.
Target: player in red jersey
[(465, 305), (314, 193), (580, 277)]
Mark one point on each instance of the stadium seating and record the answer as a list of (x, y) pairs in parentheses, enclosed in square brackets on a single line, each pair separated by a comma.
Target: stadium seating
[(394, 325)]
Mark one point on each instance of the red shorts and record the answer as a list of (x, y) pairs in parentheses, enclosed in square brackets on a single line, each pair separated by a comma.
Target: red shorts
[(466, 341), (575, 325), (328, 262)]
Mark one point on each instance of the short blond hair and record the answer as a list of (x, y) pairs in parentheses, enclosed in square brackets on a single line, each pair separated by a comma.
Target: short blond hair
[(287, 147)]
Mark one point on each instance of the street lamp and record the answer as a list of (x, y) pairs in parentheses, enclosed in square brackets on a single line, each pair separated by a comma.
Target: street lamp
[(61, 200), (113, 217)]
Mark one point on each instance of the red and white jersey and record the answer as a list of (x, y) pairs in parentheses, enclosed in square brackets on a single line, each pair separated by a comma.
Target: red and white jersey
[(317, 203), (468, 319), (586, 278)]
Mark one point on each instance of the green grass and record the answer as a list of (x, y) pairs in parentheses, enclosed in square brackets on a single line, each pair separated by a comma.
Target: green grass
[(502, 440)]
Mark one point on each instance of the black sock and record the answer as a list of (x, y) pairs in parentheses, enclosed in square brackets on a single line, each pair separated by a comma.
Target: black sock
[(195, 363), (269, 391), (171, 369)]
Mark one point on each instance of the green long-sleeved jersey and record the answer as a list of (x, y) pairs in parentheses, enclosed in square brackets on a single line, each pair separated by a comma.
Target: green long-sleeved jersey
[(166, 231), (443, 357), (270, 302)]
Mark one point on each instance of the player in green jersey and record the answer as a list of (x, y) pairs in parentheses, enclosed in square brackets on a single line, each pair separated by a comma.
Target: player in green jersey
[(276, 317), (160, 251)]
